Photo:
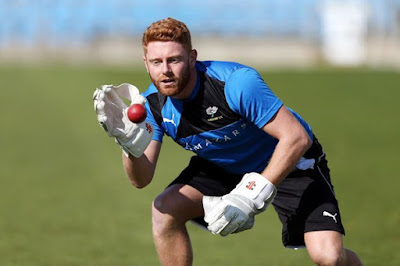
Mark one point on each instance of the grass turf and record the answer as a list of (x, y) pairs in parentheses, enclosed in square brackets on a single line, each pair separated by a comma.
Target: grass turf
[(64, 199)]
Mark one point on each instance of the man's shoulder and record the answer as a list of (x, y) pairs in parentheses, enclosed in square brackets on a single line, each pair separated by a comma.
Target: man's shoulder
[(219, 69), (216, 64)]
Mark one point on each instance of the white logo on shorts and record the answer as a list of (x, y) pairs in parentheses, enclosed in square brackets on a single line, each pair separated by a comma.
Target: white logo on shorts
[(333, 216)]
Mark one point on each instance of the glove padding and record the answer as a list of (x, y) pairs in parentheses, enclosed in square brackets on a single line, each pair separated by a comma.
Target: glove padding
[(228, 214), (234, 212), (112, 116)]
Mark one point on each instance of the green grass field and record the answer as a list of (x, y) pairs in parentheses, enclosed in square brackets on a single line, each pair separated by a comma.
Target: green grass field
[(64, 198)]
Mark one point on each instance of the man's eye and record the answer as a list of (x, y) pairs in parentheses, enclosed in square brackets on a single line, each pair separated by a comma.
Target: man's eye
[(156, 62)]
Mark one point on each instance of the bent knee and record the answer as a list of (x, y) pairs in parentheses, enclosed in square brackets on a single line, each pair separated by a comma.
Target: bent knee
[(165, 212), (167, 204), (161, 210), (327, 258), (178, 203), (325, 247), (331, 256), (166, 220)]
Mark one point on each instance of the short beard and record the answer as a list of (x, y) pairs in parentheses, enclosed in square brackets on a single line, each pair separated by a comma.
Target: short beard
[(176, 89)]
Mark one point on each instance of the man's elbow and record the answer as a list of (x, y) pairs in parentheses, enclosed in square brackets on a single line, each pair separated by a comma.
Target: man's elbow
[(139, 183), (305, 141)]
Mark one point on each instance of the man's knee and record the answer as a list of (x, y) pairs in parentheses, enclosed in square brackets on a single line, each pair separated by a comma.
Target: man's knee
[(162, 214), (160, 204), (175, 206), (162, 222), (179, 203), (325, 247), (330, 256)]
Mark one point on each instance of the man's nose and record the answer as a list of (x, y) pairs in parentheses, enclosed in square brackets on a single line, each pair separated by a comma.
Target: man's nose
[(166, 68)]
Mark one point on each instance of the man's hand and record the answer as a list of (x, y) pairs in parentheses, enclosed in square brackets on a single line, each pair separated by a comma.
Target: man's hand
[(228, 214), (234, 212), (112, 116)]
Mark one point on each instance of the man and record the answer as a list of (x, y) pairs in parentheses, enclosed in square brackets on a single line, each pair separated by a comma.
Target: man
[(252, 151)]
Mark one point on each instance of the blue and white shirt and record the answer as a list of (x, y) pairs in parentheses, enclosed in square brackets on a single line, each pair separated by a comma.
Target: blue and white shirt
[(222, 120)]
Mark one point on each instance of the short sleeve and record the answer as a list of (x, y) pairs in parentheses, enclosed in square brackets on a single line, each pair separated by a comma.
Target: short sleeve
[(248, 95), (158, 131)]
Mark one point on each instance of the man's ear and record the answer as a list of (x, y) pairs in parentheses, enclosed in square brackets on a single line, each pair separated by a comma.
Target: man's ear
[(193, 57), (145, 63)]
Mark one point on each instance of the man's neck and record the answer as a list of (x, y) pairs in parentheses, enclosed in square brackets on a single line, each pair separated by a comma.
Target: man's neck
[(187, 91)]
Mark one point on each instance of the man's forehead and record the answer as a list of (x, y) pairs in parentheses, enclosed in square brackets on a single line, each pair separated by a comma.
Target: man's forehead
[(164, 49)]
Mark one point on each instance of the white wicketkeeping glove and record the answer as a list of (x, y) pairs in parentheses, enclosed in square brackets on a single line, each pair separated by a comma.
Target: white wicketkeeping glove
[(112, 116), (234, 212)]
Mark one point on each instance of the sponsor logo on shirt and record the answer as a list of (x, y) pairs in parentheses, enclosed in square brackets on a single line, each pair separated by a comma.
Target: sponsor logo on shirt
[(205, 143)]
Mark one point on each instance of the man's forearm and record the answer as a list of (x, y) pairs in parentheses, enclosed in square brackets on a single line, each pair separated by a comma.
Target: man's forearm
[(140, 170), (285, 157)]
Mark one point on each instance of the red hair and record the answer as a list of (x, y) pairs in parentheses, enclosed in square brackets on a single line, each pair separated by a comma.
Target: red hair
[(165, 30)]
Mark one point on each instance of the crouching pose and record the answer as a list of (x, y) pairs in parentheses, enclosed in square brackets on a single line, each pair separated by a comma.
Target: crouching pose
[(251, 151)]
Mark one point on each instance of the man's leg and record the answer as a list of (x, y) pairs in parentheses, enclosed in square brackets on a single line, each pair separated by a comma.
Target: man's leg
[(326, 248), (171, 210)]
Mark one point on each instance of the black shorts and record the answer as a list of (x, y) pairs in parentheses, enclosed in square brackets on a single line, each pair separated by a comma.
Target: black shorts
[(305, 200)]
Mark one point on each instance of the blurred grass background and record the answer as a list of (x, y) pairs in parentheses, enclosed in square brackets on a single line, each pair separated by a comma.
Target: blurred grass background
[(64, 198)]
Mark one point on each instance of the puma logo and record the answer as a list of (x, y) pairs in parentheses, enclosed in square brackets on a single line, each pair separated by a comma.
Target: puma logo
[(166, 120), (333, 216)]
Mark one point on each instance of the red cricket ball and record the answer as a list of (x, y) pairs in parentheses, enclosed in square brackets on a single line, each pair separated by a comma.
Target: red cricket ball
[(137, 113)]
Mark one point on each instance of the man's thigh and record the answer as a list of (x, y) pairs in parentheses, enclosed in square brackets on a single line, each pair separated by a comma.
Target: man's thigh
[(208, 179), (180, 201), (305, 202)]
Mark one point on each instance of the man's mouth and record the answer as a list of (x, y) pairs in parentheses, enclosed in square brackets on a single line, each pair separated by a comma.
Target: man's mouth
[(168, 81)]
